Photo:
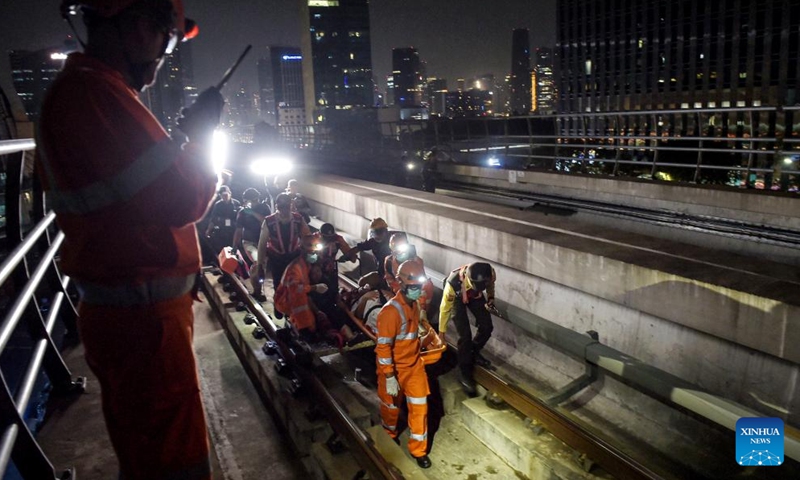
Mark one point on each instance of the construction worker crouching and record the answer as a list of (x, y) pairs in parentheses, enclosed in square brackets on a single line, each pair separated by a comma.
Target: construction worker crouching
[(400, 370), (464, 289), (403, 251), (291, 296)]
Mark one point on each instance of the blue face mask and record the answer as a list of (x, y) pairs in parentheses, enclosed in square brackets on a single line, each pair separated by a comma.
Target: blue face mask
[(312, 257), (413, 292)]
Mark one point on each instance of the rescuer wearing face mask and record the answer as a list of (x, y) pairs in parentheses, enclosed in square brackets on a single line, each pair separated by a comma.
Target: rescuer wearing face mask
[(291, 296), (401, 371), (402, 251), (463, 289), (127, 197)]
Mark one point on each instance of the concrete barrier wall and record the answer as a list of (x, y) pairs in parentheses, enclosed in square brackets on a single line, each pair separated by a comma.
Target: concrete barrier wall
[(715, 360), (776, 210)]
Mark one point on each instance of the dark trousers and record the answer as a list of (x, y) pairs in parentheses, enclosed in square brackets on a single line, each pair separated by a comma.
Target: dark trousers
[(467, 344)]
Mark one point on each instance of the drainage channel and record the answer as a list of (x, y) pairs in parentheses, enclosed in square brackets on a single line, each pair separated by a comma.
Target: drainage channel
[(331, 414)]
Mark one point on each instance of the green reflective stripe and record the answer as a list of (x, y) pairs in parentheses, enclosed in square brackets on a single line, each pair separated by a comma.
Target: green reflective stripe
[(121, 187), (385, 361), (417, 400), (152, 291), (419, 438), (385, 340)]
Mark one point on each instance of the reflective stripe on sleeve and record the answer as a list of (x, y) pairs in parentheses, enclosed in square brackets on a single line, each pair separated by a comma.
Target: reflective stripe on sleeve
[(153, 291), (406, 336), (119, 188), (386, 340), (419, 438), (385, 361)]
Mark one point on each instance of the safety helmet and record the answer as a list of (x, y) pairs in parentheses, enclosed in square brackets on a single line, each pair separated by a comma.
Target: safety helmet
[(398, 239), (411, 273), (480, 274), (378, 223), (327, 230), (251, 194), (168, 13), (311, 243)]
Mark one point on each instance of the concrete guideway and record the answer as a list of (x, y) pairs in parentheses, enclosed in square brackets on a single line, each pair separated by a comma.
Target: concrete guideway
[(584, 283)]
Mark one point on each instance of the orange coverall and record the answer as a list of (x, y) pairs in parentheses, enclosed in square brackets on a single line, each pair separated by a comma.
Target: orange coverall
[(397, 351), (293, 296), (127, 197)]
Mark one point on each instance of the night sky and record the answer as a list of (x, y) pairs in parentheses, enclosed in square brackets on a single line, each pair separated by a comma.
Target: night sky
[(457, 38)]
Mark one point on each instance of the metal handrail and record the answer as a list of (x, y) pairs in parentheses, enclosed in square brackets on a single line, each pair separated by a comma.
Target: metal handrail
[(17, 442)]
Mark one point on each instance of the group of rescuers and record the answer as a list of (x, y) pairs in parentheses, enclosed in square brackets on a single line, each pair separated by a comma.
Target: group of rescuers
[(127, 197)]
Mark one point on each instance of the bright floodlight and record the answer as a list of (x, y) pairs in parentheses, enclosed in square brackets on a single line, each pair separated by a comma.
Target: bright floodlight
[(219, 150), (271, 166), (410, 165), (493, 162)]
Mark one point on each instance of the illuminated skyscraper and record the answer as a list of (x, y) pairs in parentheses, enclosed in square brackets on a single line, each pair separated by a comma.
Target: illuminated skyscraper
[(32, 73), (341, 53), (520, 72), (280, 80), (544, 88), (407, 77)]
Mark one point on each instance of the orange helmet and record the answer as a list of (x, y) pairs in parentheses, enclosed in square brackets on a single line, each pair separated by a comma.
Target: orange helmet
[(311, 243), (397, 239), (411, 273)]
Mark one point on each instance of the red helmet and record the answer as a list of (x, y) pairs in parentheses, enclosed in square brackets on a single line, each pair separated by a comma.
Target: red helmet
[(170, 10)]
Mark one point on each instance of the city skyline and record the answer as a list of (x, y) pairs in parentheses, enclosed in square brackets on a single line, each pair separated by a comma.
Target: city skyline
[(456, 39)]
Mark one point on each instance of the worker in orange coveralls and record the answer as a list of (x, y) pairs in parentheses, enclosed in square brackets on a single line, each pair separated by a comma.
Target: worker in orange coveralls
[(291, 297), (127, 197), (401, 371), (402, 251)]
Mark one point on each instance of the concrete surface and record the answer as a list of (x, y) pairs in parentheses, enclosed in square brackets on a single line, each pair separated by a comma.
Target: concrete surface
[(246, 442), (765, 208)]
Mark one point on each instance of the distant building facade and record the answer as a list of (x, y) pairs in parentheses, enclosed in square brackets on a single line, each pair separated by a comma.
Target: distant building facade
[(280, 81), (341, 53), (520, 101), (408, 80), (544, 82), (667, 54), (32, 72)]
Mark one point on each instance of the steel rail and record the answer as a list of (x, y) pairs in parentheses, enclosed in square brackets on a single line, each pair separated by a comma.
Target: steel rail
[(362, 447), (693, 222)]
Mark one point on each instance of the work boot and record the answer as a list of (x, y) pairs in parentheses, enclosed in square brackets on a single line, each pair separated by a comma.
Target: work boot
[(259, 297), (423, 461), (467, 384), (480, 360)]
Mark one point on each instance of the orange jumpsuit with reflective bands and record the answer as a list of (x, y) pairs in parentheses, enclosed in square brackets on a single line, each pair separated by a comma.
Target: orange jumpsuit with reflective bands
[(126, 197), (391, 264), (294, 288), (397, 352)]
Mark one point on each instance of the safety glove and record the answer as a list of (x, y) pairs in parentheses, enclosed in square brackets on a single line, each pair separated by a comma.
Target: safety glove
[(199, 120), (392, 386)]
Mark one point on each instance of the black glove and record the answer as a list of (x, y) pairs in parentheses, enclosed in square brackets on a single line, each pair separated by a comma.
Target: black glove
[(199, 120)]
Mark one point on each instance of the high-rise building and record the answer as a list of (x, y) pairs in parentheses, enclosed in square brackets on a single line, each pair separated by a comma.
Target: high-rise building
[(520, 72), (280, 80), (168, 95), (544, 82), (241, 108), (666, 54), (436, 89), (407, 77), (389, 89), (341, 53), (468, 104), (32, 73)]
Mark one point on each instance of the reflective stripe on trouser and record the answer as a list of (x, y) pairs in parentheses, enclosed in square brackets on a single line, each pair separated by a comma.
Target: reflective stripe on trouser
[(413, 389), (145, 365)]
